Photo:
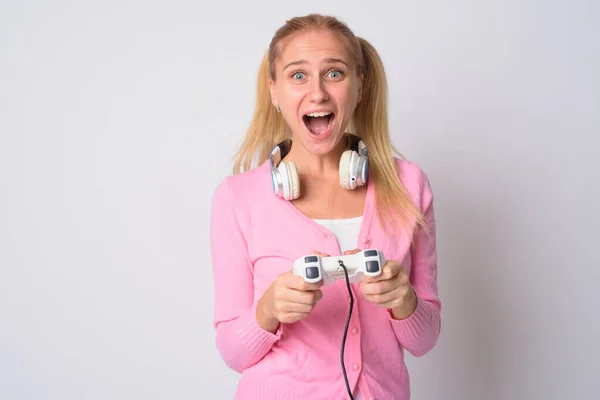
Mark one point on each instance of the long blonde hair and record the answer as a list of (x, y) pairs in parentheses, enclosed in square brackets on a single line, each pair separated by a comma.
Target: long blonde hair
[(369, 122)]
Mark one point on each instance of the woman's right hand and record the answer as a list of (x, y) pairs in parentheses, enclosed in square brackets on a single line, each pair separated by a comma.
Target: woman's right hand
[(289, 299)]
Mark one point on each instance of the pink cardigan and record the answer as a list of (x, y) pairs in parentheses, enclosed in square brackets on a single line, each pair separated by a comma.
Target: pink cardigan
[(255, 236)]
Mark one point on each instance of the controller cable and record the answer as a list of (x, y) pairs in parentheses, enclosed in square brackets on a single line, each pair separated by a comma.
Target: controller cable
[(346, 328)]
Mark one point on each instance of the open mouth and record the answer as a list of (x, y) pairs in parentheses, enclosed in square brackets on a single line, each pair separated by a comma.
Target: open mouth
[(319, 123)]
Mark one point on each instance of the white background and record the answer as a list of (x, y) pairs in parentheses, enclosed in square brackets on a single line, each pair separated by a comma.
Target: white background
[(119, 118)]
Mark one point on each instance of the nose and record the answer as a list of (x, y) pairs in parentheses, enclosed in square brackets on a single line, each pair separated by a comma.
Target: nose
[(318, 91)]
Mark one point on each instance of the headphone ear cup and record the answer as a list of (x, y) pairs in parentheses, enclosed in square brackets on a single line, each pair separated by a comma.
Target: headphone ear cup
[(353, 169), (285, 180), (344, 169), (363, 171), (362, 168), (294, 181), (290, 182)]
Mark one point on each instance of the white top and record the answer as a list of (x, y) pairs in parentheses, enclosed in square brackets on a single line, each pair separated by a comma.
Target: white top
[(345, 230)]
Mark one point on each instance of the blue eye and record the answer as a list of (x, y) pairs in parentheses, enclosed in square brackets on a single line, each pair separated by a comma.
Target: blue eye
[(295, 76), (332, 74)]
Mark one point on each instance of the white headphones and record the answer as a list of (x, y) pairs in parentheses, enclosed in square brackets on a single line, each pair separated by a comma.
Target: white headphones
[(353, 169)]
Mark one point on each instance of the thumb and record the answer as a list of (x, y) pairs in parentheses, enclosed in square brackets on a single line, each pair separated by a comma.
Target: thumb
[(354, 251)]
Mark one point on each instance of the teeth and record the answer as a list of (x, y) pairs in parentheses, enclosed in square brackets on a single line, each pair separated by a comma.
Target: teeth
[(318, 114)]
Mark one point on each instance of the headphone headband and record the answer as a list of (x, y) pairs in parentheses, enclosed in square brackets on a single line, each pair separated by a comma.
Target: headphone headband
[(279, 152), (281, 149)]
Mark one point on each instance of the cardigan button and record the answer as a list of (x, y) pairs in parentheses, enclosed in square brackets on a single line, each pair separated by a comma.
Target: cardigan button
[(355, 331), (365, 240), (355, 367)]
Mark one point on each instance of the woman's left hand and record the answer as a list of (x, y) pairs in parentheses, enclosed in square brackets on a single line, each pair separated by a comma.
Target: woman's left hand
[(391, 289)]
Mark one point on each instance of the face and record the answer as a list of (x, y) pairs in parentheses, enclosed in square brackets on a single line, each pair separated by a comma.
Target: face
[(317, 89)]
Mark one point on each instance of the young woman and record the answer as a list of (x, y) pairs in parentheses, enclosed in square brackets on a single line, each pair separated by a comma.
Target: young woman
[(316, 175)]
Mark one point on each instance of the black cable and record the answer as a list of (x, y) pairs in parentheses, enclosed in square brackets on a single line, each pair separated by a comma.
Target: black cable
[(346, 329)]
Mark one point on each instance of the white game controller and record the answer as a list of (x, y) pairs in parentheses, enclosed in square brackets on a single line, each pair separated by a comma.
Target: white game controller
[(313, 268)]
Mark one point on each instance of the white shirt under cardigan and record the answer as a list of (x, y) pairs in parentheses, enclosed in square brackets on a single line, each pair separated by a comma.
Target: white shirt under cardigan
[(346, 231)]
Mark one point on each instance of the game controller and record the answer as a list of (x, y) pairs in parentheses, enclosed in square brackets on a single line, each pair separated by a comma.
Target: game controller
[(313, 268)]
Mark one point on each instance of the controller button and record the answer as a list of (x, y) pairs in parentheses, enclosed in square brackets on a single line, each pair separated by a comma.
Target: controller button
[(312, 272), (371, 253), (372, 266), (310, 259)]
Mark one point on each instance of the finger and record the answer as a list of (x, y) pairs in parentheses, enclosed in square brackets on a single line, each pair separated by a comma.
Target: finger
[(288, 318), (353, 251), (389, 298), (303, 297), (394, 303), (389, 270), (288, 307), (404, 279), (291, 281), (380, 287), (318, 253), (299, 295), (301, 285)]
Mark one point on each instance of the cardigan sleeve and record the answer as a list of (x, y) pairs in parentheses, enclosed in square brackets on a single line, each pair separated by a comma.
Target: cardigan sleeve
[(419, 332), (239, 339)]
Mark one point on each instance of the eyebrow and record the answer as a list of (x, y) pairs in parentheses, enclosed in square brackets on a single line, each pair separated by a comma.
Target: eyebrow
[(328, 60)]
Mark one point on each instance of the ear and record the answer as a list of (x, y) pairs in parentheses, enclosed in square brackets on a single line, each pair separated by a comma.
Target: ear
[(361, 79), (272, 90)]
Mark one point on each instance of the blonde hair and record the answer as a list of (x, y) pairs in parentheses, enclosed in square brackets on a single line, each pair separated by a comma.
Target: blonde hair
[(369, 122)]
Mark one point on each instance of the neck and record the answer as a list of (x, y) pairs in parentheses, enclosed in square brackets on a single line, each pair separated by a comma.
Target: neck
[(319, 166)]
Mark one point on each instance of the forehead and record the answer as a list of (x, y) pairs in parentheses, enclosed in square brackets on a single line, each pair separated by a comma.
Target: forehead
[(313, 46)]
